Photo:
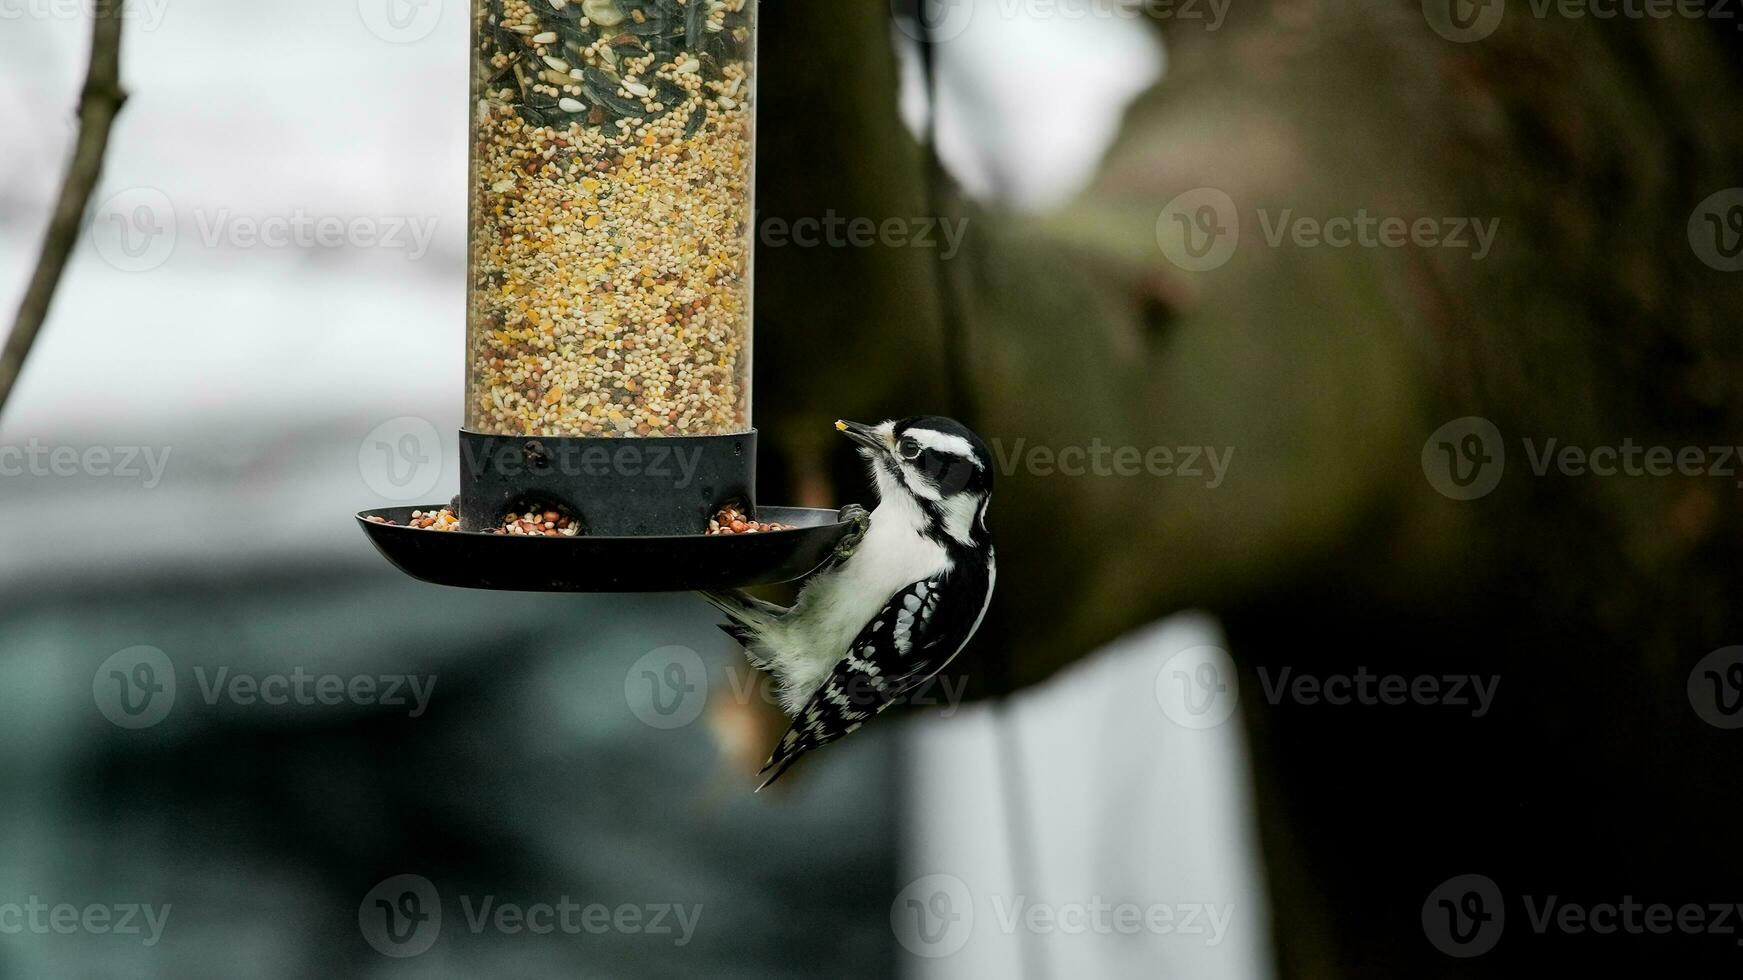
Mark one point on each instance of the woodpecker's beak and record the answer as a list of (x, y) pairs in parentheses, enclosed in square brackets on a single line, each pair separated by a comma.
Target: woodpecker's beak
[(865, 435)]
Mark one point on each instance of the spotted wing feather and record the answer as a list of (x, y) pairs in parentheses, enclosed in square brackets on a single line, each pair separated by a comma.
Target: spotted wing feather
[(916, 635)]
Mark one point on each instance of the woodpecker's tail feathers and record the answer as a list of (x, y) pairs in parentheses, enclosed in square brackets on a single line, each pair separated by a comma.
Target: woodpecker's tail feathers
[(743, 609), (780, 762), (749, 617)]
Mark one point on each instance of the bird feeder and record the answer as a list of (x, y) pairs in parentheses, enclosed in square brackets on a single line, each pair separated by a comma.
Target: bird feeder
[(609, 321)]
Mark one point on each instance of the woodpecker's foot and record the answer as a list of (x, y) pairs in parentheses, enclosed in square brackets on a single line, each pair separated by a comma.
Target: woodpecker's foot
[(860, 518)]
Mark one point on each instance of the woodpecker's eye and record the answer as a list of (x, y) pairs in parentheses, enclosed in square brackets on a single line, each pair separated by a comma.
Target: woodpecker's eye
[(909, 449)]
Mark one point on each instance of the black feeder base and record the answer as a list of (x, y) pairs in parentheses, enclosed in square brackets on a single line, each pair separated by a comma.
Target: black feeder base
[(643, 505), (631, 487)]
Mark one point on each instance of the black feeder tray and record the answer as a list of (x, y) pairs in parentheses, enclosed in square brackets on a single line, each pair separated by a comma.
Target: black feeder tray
[(643, 504), (597, 564)]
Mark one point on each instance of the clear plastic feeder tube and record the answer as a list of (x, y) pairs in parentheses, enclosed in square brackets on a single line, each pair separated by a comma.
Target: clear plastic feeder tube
[(612, 184)]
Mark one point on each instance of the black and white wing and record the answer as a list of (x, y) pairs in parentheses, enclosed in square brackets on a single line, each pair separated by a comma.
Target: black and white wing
[(916, 635)]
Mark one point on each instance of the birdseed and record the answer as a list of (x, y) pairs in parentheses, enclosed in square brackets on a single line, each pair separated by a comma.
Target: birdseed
[(550, 523), (612, 191), (733, 520)]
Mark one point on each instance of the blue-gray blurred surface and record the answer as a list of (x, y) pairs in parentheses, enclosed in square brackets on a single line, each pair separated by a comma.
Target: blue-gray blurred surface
[(529, 779)]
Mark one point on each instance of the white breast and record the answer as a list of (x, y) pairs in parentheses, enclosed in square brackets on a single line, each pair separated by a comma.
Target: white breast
[(811, 639)]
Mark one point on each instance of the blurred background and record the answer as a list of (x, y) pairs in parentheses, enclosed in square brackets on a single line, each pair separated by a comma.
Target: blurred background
[(1364, 380)]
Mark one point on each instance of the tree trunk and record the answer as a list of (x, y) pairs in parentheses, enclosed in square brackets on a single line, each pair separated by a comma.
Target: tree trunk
[(1590, 319)]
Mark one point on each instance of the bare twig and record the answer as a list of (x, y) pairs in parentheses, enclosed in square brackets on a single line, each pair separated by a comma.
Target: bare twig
[(98, 106)]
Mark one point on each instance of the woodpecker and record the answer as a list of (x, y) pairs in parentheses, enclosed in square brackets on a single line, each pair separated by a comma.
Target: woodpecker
[(896, 603)]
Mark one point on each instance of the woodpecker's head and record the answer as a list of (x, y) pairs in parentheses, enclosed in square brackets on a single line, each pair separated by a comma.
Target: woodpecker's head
[(937, 467)]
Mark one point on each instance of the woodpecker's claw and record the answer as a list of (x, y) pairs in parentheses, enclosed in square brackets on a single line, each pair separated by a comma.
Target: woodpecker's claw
[(860, 518)]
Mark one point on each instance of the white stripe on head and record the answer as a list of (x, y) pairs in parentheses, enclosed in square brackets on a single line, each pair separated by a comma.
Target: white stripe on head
[(945, 442)]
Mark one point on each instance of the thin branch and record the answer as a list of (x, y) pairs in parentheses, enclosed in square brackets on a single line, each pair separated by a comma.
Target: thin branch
[(99, 104)]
